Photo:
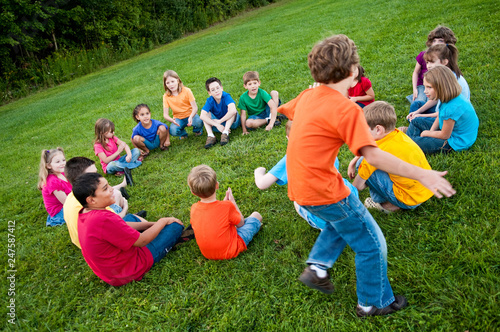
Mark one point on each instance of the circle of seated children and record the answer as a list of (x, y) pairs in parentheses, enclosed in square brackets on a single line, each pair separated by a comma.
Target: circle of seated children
[(96, 213)]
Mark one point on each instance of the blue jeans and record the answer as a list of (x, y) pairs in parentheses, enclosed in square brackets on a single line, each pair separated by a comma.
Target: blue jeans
[(235, 124), (248, 231), (128, 216), (262, 115), (164, 241), (120, 164), (419, 103), (381, 188), (56, 220), (420, 96), (349, 222), (427, 144), (176, 130)]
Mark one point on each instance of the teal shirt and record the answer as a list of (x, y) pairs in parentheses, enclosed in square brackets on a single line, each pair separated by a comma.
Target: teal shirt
[(254, 106), (464, 132)]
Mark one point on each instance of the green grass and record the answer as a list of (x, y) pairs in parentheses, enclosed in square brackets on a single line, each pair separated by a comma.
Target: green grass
[(442, 256)]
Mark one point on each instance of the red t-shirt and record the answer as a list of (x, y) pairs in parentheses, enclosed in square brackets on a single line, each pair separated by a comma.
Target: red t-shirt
[(323, 120), (360, 89), (214, 226), (107, 246)]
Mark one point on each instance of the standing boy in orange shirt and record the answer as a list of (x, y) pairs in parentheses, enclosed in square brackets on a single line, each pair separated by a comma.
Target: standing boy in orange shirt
[(220, 229), (324, 119)]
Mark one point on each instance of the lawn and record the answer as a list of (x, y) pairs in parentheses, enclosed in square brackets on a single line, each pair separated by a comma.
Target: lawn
[(443, 256)]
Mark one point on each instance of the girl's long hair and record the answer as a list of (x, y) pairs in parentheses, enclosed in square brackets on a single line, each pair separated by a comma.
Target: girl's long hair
[(103, 126), (445, 52), (444, 82), (171, 73), (45, 159)]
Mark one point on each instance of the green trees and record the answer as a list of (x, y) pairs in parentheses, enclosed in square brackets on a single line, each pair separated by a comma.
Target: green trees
[(47, 42)]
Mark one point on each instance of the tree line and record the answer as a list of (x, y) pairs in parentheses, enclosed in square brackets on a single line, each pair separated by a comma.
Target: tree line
[(48, 42)]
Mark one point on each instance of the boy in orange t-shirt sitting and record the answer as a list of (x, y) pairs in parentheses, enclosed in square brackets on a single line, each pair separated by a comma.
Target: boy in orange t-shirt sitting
[(323, 120), (220, 229)]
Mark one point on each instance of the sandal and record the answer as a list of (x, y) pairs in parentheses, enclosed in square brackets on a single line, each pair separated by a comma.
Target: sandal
[(370, 204), (164, 148)]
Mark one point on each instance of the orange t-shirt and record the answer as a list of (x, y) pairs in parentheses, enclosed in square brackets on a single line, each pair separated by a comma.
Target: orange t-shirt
[(323, 120), (214, 226), (180, 104)]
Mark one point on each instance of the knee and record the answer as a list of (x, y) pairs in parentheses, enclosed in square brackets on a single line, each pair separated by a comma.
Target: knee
[(137, 139), (256, 215), (161, 130)]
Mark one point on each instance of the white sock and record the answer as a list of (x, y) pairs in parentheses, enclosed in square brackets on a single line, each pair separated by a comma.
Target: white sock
[(319, 272), (211, 135), (365, 309), (225, 132)]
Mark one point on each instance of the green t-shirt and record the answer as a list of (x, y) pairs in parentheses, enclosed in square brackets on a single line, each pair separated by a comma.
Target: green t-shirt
[(254, 106)]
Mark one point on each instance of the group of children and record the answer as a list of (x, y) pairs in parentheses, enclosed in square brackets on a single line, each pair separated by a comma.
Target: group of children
[(121, 247)]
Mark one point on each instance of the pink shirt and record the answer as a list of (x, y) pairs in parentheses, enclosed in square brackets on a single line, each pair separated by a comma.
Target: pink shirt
[(108, 248), (52, 204), (112, 148)]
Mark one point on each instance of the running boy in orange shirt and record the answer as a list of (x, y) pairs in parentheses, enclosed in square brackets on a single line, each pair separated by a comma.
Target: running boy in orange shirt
[(324, 119), (220, 229)]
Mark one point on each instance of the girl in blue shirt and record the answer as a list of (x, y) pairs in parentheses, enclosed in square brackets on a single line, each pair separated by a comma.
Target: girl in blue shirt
[(457, 124)]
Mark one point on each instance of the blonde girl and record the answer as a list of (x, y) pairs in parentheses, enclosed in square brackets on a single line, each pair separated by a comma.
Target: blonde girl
[(181, 101), (456, 125), (108, 148), (53, 184)]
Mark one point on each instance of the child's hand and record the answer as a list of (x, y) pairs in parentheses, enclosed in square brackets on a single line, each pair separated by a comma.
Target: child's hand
[(415, 94), (351, 169), (170, 220), (435, 182), (269, 126), (128, 158), (245, 132), (229, 196), (190, 121)]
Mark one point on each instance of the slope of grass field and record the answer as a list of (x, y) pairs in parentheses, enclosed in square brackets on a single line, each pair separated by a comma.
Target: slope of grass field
[(443, 256)]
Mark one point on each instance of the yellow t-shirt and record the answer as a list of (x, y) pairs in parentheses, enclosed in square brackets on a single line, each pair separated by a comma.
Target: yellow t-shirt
[(180, 104), (71, 208), (408, 191)]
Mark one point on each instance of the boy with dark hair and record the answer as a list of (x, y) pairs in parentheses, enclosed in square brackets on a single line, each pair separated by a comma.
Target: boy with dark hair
[(324, 119), (259, 105), (389, 192), (219, 113), (115, 251), (74, 168), (220, 229)]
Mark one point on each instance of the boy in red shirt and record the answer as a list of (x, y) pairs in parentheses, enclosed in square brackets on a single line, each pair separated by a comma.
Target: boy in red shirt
[(116, 252), (220, 229), (324, 119)]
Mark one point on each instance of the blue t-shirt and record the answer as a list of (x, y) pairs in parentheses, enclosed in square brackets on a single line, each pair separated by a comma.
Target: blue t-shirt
[(149, 134), (461, 111), (218, 110), (279, 171)]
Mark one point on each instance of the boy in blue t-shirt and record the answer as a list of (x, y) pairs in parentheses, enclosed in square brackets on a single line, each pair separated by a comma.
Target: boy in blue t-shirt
[(260, 106), (219, 113), (278, 175)]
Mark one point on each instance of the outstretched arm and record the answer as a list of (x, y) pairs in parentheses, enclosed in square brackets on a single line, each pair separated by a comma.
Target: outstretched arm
[(263, 180)]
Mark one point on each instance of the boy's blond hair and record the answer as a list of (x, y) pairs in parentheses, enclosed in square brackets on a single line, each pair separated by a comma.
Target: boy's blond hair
[(444, 83), (250, 76), (381, 113), (332, 59), (202, 180)]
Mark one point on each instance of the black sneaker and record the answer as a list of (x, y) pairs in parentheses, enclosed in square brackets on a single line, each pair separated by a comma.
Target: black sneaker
[(399, 303), (142, 214), (311, 279), (277, 123), (128, 176), (281, 117), (124, 193), (186, 235)]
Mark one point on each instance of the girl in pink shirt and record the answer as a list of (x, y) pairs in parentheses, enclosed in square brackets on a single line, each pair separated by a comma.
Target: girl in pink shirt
[(53, 184)]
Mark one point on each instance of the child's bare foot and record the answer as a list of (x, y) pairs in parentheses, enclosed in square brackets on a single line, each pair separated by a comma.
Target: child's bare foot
[(389, 206)]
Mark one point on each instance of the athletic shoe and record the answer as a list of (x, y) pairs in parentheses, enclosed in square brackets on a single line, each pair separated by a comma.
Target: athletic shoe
[(224, 139), (399, 303), (311, 279), (211, 141)]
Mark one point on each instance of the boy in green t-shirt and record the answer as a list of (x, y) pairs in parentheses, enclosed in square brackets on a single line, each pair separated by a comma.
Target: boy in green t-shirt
[(260, 105)]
